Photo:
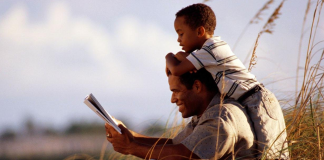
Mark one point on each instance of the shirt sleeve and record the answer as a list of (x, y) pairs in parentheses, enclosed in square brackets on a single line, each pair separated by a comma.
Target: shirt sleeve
[(212, 138), (183, 134), (202, 58)]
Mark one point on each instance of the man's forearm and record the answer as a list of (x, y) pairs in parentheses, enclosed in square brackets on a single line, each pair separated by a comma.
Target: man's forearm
[(153, 141), (150, 140), (163, 151)]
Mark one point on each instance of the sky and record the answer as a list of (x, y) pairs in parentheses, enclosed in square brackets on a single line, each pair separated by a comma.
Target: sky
[(55, 52)]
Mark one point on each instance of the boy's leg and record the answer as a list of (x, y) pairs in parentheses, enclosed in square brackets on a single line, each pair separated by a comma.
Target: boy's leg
[(269, 124)]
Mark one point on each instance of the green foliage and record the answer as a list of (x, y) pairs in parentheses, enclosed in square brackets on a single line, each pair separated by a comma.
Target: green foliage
[(154, 129), (85, 128), (8, 135)]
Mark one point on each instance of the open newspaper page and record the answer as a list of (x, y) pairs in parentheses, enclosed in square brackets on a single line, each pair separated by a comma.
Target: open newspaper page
[(95, 106)]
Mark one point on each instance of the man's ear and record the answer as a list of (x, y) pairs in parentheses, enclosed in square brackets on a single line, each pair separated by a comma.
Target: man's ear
[(197, 86), (201, 31)]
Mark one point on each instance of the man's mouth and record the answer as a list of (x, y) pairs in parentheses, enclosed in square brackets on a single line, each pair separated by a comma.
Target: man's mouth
[(181, 107)]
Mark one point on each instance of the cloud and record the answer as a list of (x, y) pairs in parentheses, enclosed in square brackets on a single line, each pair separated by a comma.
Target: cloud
[(32, 50), (35, 49), (47, 64)]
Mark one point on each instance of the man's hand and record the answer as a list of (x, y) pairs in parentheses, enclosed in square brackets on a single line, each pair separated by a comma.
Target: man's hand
[(121, 142), (181, 55), (118, 121)]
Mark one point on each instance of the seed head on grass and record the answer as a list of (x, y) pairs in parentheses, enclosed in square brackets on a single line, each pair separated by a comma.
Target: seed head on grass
[(267, 28)]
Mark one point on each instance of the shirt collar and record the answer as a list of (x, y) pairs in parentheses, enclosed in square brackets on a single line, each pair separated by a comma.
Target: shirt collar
[(212, 39), (213, 102)]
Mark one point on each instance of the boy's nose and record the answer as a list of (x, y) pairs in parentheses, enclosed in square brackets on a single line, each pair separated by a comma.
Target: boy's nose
[(179, 40)]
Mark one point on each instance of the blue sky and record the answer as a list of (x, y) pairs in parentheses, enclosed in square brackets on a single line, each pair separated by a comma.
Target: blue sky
[(54, 53)]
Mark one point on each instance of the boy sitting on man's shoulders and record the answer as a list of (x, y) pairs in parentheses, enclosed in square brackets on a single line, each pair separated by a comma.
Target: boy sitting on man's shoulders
[(195, 27)]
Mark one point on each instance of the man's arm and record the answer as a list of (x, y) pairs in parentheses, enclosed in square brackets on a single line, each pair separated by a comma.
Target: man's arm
[(178, 67), (167, 151), (150, 140), (126, 144), (145, 139)]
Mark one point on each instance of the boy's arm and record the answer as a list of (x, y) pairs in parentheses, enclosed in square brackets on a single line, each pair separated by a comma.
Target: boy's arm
[(177, 67)]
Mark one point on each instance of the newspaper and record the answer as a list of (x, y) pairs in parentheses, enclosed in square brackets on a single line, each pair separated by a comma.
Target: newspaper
[(94, 105)]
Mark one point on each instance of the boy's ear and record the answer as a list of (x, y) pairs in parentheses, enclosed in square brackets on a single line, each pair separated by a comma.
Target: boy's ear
[(201, 31)]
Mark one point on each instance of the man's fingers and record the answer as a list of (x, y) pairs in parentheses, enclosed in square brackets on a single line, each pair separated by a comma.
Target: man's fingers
[(109, 129)]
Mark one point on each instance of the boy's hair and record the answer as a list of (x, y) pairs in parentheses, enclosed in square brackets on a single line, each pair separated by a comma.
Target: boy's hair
[(197, 15)]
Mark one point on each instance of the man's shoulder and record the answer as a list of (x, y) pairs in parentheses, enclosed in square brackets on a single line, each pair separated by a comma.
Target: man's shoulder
[(226, 111)]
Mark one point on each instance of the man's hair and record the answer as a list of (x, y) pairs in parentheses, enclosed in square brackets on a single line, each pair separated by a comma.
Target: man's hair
[(197, 15), (201, 75)]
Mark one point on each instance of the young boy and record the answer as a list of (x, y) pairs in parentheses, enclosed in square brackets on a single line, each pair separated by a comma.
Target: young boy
[(195, 27)]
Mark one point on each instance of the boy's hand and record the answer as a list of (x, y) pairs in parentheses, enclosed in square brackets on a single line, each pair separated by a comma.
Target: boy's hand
[(167, 70), (193, 71), (181, 55)]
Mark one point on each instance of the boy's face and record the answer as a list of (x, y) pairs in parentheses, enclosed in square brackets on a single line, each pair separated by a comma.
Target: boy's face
[(187, 37)]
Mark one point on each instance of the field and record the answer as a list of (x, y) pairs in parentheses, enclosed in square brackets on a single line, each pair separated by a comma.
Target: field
[(304, 113)]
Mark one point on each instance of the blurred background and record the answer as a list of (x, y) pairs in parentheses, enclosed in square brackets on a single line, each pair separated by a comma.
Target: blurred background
[(55, 52)]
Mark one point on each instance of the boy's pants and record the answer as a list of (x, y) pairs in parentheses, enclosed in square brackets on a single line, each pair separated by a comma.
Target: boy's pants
[(269, 124)]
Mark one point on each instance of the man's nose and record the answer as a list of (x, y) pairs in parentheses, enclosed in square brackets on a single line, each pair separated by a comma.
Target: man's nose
[(173, 99)]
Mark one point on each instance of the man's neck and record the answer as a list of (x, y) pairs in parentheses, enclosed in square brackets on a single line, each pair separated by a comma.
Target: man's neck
[(207, 101)]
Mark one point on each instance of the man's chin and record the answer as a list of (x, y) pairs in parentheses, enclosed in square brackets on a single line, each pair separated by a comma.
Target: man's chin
[(184, 115)]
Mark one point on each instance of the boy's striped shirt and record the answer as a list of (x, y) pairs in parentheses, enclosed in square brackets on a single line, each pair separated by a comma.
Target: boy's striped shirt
[(229, 73)]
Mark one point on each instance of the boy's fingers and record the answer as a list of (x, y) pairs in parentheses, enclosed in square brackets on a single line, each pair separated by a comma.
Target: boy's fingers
[(193, 71)]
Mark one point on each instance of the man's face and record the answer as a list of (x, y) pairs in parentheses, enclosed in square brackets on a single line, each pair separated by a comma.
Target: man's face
[(187, 37), (186, 100)]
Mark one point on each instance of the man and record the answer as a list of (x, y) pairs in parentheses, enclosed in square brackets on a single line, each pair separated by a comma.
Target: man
[(218, 129)]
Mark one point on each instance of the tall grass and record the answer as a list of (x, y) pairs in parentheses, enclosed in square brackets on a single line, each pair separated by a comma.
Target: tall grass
[(305, 117)]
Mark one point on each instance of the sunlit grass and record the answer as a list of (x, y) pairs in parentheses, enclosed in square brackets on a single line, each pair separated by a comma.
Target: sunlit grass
[(304, 118)]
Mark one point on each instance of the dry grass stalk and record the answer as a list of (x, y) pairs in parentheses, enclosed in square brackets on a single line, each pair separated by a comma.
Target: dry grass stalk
[(267, 28), (304, 136), (300, 43), (257, 16), (319, 142), (254, 20), (301, 97), (103, 148)]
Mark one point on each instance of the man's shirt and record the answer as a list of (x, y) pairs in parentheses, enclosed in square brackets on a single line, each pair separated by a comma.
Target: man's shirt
[(221, 132)]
